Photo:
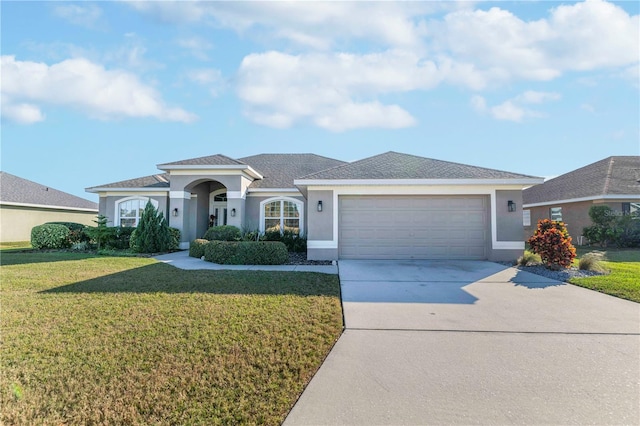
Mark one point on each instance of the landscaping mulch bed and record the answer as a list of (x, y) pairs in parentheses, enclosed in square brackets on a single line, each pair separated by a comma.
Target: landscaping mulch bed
[(563, 275), (301, 259)]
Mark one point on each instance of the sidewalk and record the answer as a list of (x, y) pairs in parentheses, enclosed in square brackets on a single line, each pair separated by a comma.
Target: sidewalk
[(181, 260)]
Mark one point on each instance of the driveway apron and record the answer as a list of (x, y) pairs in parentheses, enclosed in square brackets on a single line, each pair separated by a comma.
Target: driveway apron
[(471, 342)]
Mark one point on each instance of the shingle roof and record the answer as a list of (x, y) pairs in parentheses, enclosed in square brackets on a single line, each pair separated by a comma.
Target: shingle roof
[(394, 165), (617, 175), (14, 189), (154, 181), (211, 160), (279, 170)]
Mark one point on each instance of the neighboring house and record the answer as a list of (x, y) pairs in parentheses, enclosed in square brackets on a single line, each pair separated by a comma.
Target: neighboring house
[(25, 204), (614, 181), (390, 206)]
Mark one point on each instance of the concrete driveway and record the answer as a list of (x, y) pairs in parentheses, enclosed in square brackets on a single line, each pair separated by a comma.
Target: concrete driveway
[(465, 342)]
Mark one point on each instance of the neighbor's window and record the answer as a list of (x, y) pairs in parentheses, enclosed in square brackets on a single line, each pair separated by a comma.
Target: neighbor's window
[(632, 209), (555, 213), (130, 211), (282, 215)]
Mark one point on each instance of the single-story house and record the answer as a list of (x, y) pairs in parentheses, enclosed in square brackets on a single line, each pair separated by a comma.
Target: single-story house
[(389, 206), (25, 204), (614, 181)]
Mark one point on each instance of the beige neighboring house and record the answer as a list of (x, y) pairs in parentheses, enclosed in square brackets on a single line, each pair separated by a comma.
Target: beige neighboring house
[(389, 206), (614, 181), (25, 204)]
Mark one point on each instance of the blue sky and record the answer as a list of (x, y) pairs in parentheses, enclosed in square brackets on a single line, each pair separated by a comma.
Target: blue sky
[(94, 93)]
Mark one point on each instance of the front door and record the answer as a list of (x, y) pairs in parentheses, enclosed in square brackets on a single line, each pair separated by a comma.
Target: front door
[(218, 209)]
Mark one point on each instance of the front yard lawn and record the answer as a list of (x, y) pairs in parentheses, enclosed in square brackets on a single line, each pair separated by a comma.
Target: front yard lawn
[(624, 279), (110, 340)]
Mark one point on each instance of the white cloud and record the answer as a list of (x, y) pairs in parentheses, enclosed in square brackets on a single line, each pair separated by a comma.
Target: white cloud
[(83, 85), (86, 15), (581, 37), (210, 77), (307, 23), (21, 113), (196, 46), (588, 107), (514, 109), (316, 87)]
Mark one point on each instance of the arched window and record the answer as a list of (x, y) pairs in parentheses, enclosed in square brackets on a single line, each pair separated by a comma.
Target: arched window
[(279, 214), (129, 210)]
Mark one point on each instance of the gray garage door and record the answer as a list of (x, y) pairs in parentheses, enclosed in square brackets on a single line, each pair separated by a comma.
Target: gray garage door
[(413, 227)]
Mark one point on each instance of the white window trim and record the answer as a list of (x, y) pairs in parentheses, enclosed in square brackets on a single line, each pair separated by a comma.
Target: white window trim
[(299, 203), (124, 200)]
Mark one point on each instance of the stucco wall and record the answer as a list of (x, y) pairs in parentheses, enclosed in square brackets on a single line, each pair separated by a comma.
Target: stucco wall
[(508, 224), (16, 222), (320, 224)]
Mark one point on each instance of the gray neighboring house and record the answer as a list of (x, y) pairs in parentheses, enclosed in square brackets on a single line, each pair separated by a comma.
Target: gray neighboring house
[(614, 181), (389, 206), (25, 204)]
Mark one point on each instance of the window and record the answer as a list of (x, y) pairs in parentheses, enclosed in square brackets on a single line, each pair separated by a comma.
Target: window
[(129, 211), (282, 214), (555, 213), (631, 209)]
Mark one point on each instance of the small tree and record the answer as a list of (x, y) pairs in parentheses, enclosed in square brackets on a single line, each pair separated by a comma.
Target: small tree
[(152, 234), (553, 243), (101, 233), (605, 228)]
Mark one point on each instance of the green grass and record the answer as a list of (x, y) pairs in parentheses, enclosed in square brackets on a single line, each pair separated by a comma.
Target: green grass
[(111, 340), (624, 279), (15, 245)]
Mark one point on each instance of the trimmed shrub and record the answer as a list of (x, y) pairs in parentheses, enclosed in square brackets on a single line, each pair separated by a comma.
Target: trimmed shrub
[(553, 243), (77, 231), (119, 237), (152, 234), (223, 233), (246, 252), (290, 237), (50, 236), (196, 248), (174, 239), (592, 262)]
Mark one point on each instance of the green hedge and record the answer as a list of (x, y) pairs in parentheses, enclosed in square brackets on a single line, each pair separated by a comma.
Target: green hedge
[(246, 252), (223, 233), (196, 248), (50, 236), (77, 231), (174, 240)]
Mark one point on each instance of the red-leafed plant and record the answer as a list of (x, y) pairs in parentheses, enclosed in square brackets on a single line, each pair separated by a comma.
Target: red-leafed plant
[(553, 243)]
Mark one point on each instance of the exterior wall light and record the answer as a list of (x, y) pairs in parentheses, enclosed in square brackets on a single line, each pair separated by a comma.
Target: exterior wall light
[(511, 206), (319, 206), (175, 212), (233, 212)]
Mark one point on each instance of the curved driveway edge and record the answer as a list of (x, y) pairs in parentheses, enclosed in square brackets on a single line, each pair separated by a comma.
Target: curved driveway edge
[(460, 342)]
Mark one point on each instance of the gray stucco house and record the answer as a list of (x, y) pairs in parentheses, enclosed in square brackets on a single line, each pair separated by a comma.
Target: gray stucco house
[(389, 206)]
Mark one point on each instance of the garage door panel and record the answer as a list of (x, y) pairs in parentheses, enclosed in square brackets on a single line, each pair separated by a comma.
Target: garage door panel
[(418, 227)]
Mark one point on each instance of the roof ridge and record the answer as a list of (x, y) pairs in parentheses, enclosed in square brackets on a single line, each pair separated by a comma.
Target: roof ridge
[(607, 179)]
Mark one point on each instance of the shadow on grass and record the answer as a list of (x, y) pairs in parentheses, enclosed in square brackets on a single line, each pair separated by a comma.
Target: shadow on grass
[(24, 257), (162, 278)]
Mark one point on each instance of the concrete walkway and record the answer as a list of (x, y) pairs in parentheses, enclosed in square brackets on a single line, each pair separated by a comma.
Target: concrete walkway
[(437, 342), (182, 260)]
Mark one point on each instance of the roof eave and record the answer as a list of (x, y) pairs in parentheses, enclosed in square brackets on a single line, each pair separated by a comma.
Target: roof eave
[(97, 189), (525, 181), (580, 199), (50, 207), (247, 169)]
